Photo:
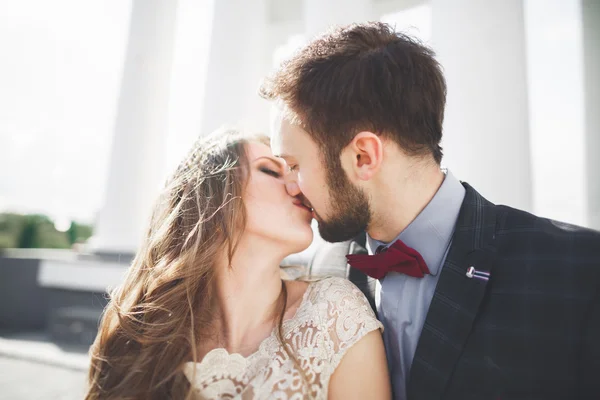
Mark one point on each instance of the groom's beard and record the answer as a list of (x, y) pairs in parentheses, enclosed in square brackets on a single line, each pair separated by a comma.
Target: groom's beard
[(349, 213)]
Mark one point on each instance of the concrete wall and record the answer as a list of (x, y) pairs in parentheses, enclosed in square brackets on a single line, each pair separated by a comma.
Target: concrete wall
[(74, 315), (23, 304), (56, 293)]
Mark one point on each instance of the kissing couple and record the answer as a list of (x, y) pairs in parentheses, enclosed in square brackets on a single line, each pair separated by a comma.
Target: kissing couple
[(440, 294)]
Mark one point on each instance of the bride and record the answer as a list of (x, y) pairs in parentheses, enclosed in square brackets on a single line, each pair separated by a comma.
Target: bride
[(204, 312)]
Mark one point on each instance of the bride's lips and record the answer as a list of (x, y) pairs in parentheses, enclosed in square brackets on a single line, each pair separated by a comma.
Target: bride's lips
[(299, 203)]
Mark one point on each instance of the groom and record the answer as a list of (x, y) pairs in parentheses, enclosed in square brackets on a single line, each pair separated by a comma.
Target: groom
[(479, 301)]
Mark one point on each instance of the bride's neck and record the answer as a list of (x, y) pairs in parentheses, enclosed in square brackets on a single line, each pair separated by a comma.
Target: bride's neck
[(247, 296)]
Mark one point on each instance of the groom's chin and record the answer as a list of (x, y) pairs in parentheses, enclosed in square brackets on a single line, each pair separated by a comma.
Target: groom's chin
[(334, 232)]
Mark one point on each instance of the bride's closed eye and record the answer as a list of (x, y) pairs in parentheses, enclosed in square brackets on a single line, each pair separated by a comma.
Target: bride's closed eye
[(269, 171)]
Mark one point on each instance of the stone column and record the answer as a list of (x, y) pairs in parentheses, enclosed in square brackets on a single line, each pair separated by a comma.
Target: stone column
[(591, 51), (481, 46), (556, 108), (137, 158), (238, 59)]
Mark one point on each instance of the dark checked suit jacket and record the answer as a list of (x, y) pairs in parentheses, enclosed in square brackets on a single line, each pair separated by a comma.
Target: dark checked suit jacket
[(531, 332)]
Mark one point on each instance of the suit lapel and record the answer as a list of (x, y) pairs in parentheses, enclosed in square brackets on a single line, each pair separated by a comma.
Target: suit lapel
[(456, 300)]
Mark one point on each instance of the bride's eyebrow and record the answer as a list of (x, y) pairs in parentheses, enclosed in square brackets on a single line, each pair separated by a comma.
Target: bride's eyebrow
[(266, 158)]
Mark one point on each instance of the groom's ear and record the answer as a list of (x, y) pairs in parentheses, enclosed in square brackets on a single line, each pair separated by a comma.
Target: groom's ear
[(364, 155)]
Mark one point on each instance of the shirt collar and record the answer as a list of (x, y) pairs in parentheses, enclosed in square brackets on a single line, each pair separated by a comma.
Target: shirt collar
[(430, 233)]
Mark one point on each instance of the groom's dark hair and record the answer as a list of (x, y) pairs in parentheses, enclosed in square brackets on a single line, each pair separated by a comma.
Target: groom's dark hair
[(364, 77)]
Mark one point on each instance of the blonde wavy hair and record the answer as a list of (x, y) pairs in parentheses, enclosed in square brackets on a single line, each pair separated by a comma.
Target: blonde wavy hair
[(156, 318)]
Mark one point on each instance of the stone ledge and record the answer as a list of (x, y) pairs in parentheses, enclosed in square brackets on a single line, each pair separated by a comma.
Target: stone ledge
[(37, 348)]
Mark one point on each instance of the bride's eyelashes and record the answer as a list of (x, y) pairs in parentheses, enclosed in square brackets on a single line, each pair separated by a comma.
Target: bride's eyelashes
[(268, 171)]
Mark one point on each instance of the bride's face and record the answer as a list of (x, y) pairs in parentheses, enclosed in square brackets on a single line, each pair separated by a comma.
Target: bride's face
[(271, 212)]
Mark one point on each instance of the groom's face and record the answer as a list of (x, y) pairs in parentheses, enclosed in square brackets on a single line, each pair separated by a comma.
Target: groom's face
[(340, 207)]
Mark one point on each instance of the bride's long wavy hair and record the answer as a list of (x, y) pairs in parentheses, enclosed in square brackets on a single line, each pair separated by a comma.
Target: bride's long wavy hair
[(156, 318)]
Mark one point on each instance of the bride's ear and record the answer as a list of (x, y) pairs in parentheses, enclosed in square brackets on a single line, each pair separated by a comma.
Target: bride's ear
[(363, 156)]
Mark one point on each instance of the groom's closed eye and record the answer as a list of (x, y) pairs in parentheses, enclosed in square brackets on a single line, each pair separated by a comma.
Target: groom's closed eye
[(289, 161)]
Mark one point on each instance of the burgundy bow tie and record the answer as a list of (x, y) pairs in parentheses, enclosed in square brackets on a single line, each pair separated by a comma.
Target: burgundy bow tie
[(398, 258)]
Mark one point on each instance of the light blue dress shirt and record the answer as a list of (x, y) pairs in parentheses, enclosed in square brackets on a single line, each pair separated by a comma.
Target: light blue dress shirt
[(403, 301)]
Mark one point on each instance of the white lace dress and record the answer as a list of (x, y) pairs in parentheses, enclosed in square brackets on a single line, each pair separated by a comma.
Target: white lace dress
[(332, 316)]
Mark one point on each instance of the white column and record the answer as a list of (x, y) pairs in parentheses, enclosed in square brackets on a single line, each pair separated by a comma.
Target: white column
[(556, 106), (481, 46), (190, 61), (238, 59), (138, 154), (591, 50), (319, 14)]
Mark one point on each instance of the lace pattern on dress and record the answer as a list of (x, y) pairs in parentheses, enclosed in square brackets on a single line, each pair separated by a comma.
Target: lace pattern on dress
[(333, 316)]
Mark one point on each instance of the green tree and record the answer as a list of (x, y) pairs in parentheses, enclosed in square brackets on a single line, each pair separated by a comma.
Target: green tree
[(38, 231), (11, 226), (72, 233), (79, 232), (31, 234)]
